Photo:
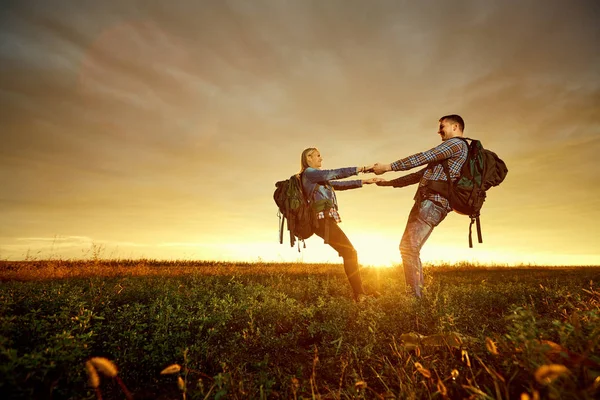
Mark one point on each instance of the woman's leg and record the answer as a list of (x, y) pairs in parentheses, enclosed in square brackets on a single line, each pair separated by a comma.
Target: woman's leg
[(340, 242)]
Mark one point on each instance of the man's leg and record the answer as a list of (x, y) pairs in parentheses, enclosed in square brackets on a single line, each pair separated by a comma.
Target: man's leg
[(423, 217)]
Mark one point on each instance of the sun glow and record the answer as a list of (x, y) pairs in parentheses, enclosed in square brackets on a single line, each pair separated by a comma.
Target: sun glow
[(377, 250)]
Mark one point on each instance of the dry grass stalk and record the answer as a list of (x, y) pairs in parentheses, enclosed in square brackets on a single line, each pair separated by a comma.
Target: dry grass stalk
[(180, 383), (465, 357), (548, 373), (442, 388), (360, 385), (313, 376), (535, 396), (491, 346), (423, 371), (171, 369), (126, 391), (104, 366), (94, 379), (109, 369), (295, 387)]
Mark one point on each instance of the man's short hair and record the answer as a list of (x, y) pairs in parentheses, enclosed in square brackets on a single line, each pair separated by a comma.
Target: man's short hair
[(456, 119)]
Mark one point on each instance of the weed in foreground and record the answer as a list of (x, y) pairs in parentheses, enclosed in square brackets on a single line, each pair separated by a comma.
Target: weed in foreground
[(258, 331)]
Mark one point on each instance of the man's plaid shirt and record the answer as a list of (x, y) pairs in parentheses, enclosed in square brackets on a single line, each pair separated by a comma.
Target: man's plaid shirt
[(454, 150)]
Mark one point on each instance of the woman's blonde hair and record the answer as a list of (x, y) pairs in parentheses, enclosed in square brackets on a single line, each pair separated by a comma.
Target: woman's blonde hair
[(304, 158)]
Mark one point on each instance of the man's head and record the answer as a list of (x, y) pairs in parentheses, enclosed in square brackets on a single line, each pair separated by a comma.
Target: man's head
[(451, 126)]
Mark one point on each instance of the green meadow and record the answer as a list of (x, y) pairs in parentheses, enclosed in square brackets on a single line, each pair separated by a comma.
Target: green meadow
[(108, 328)]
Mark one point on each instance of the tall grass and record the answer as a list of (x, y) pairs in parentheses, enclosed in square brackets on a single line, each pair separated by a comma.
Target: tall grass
[(258, 330)]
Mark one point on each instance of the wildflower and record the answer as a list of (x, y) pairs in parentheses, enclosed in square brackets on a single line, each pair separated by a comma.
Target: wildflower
[(92, 374), (491, 346), (295, 383), (411, 340), (442, 388), (104, 366), (180, 383), (171, 369), (465, 357), (547, 373), (295, 386), (454, 374), (526, 396), (423, 371), (360, 385)]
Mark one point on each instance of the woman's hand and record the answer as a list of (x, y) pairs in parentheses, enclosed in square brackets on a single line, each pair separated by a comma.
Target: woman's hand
[(372, 180)]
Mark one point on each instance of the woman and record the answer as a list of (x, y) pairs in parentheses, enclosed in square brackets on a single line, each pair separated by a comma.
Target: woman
[(319, 187)]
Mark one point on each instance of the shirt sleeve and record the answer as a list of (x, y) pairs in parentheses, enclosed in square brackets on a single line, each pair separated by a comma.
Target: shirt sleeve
[(444, 150), (344, 185), (405, 180), (314, 175)]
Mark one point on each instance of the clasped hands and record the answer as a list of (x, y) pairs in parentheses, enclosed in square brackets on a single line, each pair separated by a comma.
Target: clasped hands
[(378, 169)]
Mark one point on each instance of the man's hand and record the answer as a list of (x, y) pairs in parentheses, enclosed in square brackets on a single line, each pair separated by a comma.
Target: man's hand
[(381, 168), (372, 180), (383, 182)]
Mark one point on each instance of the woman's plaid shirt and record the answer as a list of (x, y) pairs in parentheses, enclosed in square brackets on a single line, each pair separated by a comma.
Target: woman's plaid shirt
[(454, 150)]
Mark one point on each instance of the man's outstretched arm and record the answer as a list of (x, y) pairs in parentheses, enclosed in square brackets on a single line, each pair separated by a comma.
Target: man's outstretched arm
[(405, 180), (444, 150)]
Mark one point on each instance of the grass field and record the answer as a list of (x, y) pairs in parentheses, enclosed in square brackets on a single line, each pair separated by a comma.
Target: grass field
[(291, 331)]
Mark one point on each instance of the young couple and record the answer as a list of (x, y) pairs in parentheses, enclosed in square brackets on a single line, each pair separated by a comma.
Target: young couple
[(429, 210)]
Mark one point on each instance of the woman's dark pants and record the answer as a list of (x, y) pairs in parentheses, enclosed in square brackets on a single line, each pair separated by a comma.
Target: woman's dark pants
[(340, 242)]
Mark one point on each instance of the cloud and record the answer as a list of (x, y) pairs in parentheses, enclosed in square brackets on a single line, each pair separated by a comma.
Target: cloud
[(58, 240), (125, 117)]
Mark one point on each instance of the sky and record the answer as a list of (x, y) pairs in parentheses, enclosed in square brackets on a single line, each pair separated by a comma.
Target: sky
[(153, 129)]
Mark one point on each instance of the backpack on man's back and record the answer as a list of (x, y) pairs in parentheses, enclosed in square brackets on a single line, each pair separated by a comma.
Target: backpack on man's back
[(294, 207), (482, 170)]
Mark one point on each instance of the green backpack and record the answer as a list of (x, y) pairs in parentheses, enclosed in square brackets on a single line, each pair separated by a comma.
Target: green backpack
[(294, 207), (482, 170)]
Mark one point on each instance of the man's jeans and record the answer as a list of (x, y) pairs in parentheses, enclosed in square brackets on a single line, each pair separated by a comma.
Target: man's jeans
[(424, 216)]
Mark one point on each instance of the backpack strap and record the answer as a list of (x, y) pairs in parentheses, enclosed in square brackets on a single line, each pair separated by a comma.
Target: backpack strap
[(325, 212), (444, 163), (281, 222), (447, 170), (470, 238), (291, 229), (474, 219), (478, 226), (312, 193), (326, 221)]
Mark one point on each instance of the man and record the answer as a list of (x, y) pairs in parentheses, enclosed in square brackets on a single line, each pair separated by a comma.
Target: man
[(430, 207)]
